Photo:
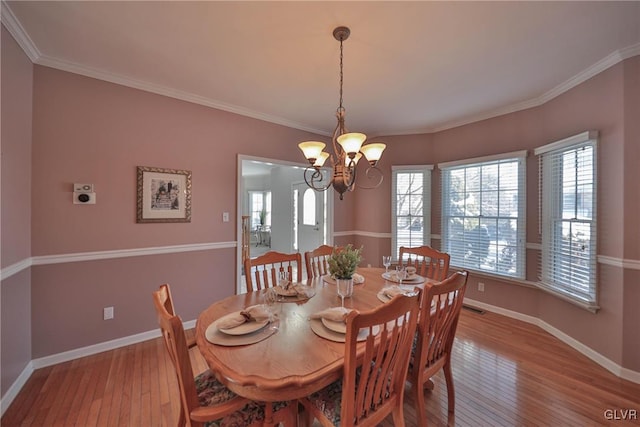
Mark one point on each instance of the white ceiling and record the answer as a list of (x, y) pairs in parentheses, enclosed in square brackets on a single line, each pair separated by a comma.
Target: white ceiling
[(409, 67)]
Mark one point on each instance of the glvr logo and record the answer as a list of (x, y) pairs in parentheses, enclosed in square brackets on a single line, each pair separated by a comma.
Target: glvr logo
[(621, 414)]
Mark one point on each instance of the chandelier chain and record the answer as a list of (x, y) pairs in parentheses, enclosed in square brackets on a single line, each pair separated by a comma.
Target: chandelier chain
[(341, 74)]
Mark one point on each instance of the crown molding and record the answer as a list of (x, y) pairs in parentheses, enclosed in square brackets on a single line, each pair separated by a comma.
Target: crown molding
[(25, 42), (600, 66), (123, 80), (16, 29)]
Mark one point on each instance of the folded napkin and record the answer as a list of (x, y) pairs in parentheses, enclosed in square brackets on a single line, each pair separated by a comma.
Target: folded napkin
[(357, 278), (303, 291), (258, 313), (336, 314), (392, 291)]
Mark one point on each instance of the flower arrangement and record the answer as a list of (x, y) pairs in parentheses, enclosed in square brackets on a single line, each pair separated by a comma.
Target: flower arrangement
[(343, 262)]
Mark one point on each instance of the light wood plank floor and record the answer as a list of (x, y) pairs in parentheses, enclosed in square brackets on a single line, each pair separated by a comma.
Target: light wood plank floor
[(506, 373)]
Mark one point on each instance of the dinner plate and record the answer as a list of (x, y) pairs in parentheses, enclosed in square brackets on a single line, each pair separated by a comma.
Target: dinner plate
[(384, 298), (413, 279), (322, 331), (339, 327), (245, 328)]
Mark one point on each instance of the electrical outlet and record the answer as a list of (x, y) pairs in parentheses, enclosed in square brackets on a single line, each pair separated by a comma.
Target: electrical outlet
[(481, 286), (108, 313)]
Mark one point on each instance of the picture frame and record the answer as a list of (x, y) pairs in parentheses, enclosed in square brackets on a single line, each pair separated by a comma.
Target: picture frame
[(163, 195)]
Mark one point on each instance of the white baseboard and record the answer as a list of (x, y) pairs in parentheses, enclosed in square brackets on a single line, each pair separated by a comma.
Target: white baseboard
[(15, 388), (66, 356), (601, 360)]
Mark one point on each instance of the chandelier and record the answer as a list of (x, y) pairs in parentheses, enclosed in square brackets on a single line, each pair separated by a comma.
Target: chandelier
[(348, 148)]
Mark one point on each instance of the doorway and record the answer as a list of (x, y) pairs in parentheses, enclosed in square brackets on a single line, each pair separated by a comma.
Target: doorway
[(284, 182)]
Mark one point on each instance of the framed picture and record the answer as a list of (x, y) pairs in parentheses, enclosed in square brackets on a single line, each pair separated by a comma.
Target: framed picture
[(164, 195)]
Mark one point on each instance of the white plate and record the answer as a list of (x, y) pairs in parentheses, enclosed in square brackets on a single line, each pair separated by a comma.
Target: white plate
[(322, 331), (339, 327), (382, 296), (392, 277), (245, 328)]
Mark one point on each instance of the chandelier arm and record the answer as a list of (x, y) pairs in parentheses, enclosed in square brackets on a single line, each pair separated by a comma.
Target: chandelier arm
[(315, 179), (378, 179)]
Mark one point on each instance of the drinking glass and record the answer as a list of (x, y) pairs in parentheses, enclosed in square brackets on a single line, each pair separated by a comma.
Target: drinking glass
[(345, 288), (401, 273), (272, 301), (284, 279), (386, 261)]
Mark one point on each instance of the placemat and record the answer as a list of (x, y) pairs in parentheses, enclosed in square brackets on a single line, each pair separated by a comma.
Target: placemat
[(215, 336)]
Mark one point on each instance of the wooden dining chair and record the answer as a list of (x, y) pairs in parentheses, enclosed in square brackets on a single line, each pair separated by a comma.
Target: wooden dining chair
[(164, 294), (316, 261), (441, 305), (374, 373), (264, 271), (429, 262), (204, 399)]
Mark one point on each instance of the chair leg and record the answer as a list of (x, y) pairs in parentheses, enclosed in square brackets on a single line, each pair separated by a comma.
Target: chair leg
[(268, 414), (182, 421), (421, 409), (398, 416), (305, 416), (451, 396)]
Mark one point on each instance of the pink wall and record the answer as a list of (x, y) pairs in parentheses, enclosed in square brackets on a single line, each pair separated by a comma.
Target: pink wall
[(15, 294), (85, 130), (631, 297), (90, 131), (604, 103), (96, 132)]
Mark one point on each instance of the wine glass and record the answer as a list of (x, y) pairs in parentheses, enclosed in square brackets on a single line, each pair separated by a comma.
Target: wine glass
[(345, 288), (401, 273), (386, 261), (272, 301)]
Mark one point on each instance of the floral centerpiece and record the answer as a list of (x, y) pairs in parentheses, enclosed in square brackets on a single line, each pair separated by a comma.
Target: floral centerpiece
[(343, 262)]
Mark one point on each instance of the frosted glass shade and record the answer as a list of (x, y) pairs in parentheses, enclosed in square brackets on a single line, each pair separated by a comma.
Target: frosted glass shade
[(351, 142), (321, 159), (373, 151), (355, 159), (312, 149)]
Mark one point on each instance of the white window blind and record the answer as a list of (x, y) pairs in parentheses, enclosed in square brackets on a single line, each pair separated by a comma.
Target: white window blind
[(568, 211), (410, 207), (483, 214)]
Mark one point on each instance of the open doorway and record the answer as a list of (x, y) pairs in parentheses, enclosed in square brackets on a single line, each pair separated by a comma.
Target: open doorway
[(279, 213)]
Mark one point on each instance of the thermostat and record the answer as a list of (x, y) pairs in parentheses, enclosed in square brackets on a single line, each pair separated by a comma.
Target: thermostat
[(83, 194)]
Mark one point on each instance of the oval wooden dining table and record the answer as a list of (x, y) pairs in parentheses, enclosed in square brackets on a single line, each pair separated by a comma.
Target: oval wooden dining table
[(294, 361)]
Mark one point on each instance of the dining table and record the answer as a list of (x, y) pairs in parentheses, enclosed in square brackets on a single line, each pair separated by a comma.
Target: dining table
[(285, 359)]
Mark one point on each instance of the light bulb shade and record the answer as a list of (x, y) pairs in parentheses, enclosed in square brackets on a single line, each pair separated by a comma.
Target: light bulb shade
[(373, 151), (347, 160), (321, 159), (351, 142), (312, 149)]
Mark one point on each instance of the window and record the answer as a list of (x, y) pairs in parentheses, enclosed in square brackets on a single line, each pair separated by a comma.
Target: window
[(568, 216), (411, 207), (483, 213), (260, 208)]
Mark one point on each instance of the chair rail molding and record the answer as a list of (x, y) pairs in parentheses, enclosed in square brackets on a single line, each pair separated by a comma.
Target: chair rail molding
[(13, 269)]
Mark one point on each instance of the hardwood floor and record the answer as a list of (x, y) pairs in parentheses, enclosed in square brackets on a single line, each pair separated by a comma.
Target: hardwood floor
[(506, 373)]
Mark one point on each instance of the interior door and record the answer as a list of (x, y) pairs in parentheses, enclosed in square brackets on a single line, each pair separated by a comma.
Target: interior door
[(310, 217)]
